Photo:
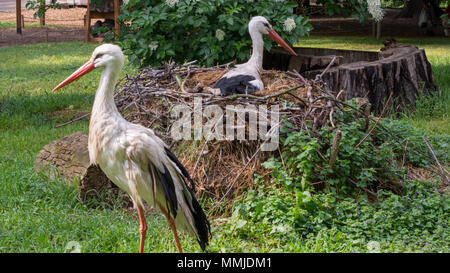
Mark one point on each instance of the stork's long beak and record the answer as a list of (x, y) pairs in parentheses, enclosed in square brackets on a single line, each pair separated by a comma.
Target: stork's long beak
[(277, 38), (84, 69)]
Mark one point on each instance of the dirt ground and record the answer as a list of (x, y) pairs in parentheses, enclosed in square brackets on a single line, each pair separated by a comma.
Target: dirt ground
[(69, 27), (66, 25)]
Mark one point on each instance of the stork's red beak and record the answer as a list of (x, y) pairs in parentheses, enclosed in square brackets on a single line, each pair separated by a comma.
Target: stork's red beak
[(277, 38), (84, 69)]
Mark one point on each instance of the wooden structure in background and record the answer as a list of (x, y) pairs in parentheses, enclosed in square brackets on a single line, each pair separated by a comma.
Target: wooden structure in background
[(19, 16), (94, 13)]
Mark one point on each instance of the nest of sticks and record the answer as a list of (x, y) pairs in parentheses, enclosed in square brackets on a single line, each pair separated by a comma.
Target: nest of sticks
[(221, 167)]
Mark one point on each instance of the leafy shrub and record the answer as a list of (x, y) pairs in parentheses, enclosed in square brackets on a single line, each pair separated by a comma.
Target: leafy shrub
[(290, 206), (373, 164), (210, 31), (418, 220)]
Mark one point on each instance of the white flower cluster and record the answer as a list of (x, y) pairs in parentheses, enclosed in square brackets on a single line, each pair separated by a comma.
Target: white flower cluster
[(172, 3), (289, 24), (374, 8), (220, 34), (153, 45)]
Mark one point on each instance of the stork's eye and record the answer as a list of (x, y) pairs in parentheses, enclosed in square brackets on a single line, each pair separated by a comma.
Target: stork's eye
[(267, 25), (98, 56)]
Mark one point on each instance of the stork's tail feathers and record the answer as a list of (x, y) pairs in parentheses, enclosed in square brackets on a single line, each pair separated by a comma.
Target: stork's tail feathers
[(198, 221), (201, 223)]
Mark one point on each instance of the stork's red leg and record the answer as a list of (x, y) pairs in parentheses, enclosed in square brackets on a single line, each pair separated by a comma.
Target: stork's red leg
[(172, 226), (142, 227)]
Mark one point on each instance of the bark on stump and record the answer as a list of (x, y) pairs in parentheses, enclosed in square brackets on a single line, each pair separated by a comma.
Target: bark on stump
[(68, 158), (401, 69)]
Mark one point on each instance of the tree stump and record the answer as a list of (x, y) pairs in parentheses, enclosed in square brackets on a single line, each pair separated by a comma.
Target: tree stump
[(68, 158), (400, 69)]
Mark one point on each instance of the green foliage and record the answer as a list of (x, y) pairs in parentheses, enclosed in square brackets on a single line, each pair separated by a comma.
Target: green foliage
[(187, 30), (376, 162), (400, 134), (308, 198), (41, 6), (418, 220), (347, 8)]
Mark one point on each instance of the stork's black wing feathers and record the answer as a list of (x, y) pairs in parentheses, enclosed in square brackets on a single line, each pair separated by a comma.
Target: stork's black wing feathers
[(180, 166), (239, 84), (200, 221), (169, 190)]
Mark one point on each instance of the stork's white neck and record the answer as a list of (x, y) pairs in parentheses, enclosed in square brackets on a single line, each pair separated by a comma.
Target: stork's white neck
[(104, 99), (258, 47)]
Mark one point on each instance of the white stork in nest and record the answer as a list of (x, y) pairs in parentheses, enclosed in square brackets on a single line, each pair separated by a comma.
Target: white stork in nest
[(246, 78), (135, 159)]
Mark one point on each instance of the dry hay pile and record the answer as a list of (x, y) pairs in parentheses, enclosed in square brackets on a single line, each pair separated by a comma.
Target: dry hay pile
[(221, 168)]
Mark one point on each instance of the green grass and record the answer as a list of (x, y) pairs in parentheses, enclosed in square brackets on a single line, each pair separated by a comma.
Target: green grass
[(12, 24), (39, 214)]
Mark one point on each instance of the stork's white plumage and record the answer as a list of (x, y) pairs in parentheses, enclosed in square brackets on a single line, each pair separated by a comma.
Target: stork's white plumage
[(135, 159), (246, 78)]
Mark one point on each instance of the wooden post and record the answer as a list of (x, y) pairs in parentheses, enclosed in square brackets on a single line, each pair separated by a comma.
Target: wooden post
[(19, 16), (374, 29), (379, 29), (42, 20), (116, 14), (87, 23)]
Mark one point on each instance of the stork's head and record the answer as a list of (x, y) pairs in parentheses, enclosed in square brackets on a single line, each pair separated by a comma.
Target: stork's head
[(261, 25), (106, 56)]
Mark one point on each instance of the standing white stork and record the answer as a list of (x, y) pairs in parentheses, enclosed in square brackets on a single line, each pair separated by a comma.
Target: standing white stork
[(135, 159), (246, 78)]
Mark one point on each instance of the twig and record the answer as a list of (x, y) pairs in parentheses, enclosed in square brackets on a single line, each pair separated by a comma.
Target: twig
[(443, 171), (375, 125), (319, 76), (73, 120), (404, 152), (335, 147)]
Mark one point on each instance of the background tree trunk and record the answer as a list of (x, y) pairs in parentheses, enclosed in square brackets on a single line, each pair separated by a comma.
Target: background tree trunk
[(413, 8), (42, 20)]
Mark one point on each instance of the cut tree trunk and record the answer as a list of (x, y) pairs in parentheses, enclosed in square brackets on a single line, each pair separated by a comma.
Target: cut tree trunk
[(68, 158), (401, 69)]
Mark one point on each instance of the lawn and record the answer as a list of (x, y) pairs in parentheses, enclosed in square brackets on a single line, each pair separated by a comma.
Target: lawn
[(39, 214), (12, 24)]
